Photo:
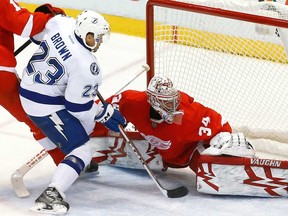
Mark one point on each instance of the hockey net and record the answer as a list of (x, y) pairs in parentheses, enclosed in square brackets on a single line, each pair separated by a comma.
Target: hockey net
[(230, 56)]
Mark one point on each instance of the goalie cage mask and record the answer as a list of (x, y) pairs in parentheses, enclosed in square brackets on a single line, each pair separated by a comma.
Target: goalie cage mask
[(163, 97), (92, 22)]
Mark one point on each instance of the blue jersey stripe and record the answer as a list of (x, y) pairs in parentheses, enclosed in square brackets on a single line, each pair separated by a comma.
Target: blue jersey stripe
[(40, 98), (58, 100), (73, 107)]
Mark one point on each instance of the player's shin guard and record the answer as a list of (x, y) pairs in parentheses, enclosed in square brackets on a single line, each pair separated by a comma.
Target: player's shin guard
[(71, 167), (75, 163), (67, 172)]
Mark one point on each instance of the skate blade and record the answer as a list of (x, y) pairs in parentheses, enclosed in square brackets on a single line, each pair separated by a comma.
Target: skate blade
[(56, 209)]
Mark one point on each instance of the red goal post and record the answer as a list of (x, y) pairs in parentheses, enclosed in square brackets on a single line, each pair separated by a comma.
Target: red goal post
[(227, 54)]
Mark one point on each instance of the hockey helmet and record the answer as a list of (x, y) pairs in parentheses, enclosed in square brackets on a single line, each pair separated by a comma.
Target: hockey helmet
[(163, 97), (93, 22)]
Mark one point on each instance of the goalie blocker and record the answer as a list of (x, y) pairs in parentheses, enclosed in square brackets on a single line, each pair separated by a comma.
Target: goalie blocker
[(222, 175)]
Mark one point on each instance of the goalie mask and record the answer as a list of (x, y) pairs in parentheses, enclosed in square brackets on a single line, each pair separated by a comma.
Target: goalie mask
[(92, 22), (163, 97)]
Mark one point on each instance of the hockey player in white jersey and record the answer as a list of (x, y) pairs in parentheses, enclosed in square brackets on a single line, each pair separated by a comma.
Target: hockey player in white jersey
[(57, 92)]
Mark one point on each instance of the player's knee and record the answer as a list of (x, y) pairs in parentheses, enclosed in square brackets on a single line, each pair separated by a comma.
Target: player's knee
[(83, 154), (75, 163)]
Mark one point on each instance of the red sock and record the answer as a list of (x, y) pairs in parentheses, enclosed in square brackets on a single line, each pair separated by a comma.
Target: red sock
[(57, 155)]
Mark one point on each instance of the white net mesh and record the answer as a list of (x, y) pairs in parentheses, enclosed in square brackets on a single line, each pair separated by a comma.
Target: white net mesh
[(236, 67)]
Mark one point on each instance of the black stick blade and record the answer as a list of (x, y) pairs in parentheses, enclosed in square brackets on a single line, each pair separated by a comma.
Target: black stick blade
[(177, 192)]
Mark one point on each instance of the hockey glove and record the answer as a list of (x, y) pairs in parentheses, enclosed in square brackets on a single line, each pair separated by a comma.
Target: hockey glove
[(225, 143), (49, 9), (111, 118)]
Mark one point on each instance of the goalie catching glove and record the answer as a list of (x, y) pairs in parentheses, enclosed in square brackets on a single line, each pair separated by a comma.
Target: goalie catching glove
[(111, 118), (225, 143)]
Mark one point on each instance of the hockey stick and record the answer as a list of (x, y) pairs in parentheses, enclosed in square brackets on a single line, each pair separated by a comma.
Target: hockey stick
[(17, 177), (145, 67), (22, 47), (170, 193)]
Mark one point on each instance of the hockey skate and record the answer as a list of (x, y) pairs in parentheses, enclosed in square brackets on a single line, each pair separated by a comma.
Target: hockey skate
[(50, 202), (92, 167), (90, 171)]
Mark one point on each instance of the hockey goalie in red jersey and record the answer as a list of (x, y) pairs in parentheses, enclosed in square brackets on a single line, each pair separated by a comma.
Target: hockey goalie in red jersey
[(173, 130), (19, 21)]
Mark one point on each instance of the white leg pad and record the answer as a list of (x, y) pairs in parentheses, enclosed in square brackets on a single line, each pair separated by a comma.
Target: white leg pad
[(225, 175), (116, 152)]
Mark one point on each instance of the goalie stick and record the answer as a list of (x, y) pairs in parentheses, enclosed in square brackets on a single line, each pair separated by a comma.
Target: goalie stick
[(17, 177), (170, 193)]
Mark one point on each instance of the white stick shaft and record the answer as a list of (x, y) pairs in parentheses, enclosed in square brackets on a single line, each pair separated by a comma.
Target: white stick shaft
[(145, 68)]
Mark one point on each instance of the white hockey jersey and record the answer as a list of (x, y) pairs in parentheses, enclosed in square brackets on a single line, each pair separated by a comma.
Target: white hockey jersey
[(62, 74)]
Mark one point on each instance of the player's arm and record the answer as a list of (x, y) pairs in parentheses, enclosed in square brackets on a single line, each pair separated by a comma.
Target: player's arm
[(22, 22), (122, 100), (46, 9), (209, 122)]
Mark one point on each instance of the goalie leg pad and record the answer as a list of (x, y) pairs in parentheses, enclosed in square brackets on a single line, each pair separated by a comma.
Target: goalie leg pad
[(116, 152), (225, 175)]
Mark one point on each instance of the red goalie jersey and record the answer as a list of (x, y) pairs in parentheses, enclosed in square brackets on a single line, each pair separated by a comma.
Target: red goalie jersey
[(176, 142), (18, 21)]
